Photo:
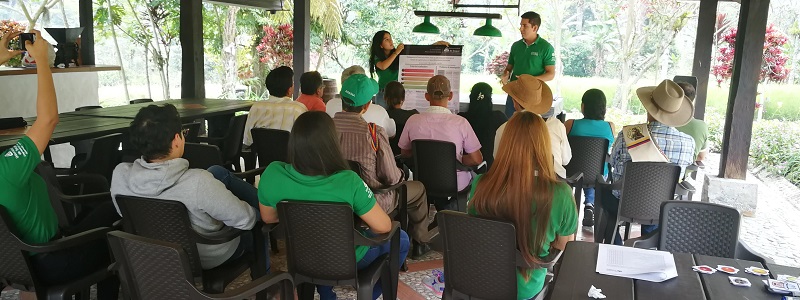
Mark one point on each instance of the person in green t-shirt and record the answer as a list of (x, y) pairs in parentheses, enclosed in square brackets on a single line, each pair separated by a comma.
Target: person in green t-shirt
[(697, 129), (522, 188), (531, 55), (24, 193), (319, 172), (383, 61)]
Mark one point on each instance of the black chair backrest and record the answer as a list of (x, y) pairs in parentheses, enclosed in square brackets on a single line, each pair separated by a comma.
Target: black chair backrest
[(201, 156), (485, 270), (317, 235), (699, 228), (64, 211), (588, 157), (13, 265), (193, 132), (356, 167), (165, 220), (137, 101), (645, 185), (435, 167), (151, 269), (104, 156), (232, 145), (270, 145), (88, 107)]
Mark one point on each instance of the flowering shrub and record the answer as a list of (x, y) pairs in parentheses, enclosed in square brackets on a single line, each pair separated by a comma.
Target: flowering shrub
[(773, 67), (498, 64), (9, 26), (275, 49)]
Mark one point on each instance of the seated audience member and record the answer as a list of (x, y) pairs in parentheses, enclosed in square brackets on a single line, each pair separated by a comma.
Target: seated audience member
[(534, 95), (24, 193), (667, 107), (311, 90), (368, 145), (521, 182), (213, 198), (697, 129), (319, 172), (395, 95), (438, 123), (593, 124), (375, 114), (483, 119), (279, 111)]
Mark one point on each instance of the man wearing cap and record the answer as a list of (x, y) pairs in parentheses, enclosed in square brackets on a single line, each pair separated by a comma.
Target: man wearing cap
[(368, 145), (437, 122), (667, 107), (375, 113), (279, 111), (530, 55), (532, 94)]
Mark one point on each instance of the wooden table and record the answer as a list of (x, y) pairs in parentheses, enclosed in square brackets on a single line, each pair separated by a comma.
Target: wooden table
[(577, 273), (88, 124)]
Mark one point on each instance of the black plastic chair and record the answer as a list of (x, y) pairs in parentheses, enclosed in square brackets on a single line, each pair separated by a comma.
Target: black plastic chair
[(436, 166), (154, 269), (15, 270), (137, 101), (103, 157), (201, 156), (700, 228), (400, 213), (484, 270), (589, 156), (91, 189), (168, 221), (230, 145), (192, 132), (270, 145), (319, 240), (643, 187)]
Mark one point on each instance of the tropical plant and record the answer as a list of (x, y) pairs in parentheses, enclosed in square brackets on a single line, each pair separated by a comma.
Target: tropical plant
[(12, 26), (275, 49), (498, 64), (773, 66)]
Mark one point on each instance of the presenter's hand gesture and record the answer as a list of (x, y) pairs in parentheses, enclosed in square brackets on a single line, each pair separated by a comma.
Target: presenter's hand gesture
[(504, 78), (442, 43), (399, 48), (5, 53)]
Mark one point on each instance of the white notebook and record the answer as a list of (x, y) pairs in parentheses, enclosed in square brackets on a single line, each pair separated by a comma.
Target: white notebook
[(642, 264)]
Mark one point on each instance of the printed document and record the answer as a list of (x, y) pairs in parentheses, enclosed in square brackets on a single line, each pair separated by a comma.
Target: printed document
[(642, 264)]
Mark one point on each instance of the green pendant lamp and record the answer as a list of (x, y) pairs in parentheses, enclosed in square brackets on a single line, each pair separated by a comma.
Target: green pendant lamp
[(426, 27), (488, 30)]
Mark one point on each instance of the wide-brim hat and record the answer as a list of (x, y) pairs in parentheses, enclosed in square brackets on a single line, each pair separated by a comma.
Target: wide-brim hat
[(667, 103), (531, 93)]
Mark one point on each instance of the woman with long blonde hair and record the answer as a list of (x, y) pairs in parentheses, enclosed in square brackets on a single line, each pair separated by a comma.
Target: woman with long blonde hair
[(522, 188)]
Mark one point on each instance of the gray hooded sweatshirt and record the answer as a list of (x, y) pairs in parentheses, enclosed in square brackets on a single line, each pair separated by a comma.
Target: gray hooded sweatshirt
[(211, 206)]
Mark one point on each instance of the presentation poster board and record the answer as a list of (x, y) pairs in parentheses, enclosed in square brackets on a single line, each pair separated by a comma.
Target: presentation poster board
[(421, 62)]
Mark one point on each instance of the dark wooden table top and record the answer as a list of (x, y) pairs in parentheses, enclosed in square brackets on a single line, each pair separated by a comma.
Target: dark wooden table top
[(577, 273), (73, 128), (189, 109)]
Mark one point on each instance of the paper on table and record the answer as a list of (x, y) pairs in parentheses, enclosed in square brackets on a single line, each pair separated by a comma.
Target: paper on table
[(642, 264)]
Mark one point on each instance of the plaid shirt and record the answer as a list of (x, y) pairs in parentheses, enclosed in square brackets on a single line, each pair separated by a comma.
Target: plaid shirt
[(676, 145)]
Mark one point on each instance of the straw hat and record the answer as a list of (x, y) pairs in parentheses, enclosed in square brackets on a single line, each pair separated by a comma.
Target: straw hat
[(531, 93), (667, 103)]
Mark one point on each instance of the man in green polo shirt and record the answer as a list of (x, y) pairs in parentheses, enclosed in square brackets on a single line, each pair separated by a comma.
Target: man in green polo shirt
[(530, 55)]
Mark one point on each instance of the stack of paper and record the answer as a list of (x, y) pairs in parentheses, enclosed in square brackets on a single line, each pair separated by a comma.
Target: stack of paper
[(642, 264)]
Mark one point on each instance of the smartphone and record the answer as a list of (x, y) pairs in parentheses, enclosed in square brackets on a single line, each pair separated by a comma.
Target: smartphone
[(26, 37)]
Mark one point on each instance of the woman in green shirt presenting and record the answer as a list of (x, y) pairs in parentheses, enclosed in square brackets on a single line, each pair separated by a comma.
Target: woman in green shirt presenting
[(383, 61), (318, 172), (521, 187)]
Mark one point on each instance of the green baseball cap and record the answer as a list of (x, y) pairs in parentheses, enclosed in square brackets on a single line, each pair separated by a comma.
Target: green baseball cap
[(359, 89)]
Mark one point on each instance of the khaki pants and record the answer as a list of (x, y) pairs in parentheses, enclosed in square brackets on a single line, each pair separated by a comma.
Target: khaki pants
[(417, 211)]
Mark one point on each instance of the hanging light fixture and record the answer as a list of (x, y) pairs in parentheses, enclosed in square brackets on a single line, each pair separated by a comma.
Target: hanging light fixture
[(488, 30), (426, 27)]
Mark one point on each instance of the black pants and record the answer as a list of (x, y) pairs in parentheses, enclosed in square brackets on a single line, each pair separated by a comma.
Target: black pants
[(66, 265)]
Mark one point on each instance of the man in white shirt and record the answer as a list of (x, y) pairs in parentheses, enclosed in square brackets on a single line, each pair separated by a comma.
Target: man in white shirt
[(279, 111), (534, 95), (375, 113)]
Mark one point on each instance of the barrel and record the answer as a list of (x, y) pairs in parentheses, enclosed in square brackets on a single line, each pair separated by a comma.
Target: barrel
[(331, 89)]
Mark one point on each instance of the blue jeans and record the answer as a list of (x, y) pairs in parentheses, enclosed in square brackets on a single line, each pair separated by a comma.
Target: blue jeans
[(510, 107), (247, 193), (326, 292), (589, 194)]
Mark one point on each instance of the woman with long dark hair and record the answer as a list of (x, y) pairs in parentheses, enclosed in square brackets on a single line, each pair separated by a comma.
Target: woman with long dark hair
[(317, 171), (383, 60), (593, 124), (522, 188), (483, 119)]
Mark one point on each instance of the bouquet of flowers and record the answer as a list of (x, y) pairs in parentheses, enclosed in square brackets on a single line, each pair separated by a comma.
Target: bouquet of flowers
[(12, 26)]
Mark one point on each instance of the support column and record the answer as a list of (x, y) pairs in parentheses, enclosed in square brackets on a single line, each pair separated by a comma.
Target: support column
[(302, 40), (193, 83), (706, 23), (744, 85), (86, 18)]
